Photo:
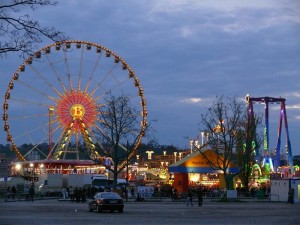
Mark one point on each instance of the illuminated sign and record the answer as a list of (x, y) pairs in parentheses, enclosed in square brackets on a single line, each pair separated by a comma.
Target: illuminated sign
[(77, 111)]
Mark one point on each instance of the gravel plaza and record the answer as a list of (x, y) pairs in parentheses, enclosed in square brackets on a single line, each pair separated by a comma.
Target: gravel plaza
[(165, 211)]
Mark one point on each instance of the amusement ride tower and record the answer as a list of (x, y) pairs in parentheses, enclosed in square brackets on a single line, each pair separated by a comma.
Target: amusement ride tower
[(283, 116)]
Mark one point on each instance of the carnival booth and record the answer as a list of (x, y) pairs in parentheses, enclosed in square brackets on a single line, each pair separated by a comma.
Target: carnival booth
[(194, 170)]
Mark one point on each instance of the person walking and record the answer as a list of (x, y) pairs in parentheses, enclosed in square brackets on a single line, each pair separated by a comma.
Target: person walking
[(26, 192), (8, 193), (72, 196), (31, 192), (13, 192), (200, 196), (132, 192), (189, 198), (64, 193), (291, 195)]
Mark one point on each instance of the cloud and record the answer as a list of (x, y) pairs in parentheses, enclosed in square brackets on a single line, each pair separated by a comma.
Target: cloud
[(293, 107), (192, 100), (186, 52)]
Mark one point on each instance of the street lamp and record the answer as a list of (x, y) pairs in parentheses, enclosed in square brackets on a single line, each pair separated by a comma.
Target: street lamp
[(191, 143), (180, 155), (202, 137), (149, 154), (175, 154), (51, 109), (196, 144), (41, 167), (32, 170), (18, 168)]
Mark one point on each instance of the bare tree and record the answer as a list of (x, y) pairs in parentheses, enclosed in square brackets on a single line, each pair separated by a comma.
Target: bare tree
[(19, 32), (248, 143), (223, 122), (120, 132)]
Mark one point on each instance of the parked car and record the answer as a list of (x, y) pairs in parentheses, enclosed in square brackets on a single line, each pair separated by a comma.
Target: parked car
[(106, 201)]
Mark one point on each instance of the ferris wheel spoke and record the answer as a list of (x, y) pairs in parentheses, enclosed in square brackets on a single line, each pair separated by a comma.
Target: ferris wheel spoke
[(28, 131), (93, 72), (119, 84), (100, 84), (107, 91), (56, 73), (57, 141), (45, 80), (22, 117), (102, 132), (37, 90), (36, 147), (66, 63), (80, 68), (27, 102), (108, 138)]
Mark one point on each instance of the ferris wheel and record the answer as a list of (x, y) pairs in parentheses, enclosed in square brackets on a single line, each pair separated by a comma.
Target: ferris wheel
[(55, 95)]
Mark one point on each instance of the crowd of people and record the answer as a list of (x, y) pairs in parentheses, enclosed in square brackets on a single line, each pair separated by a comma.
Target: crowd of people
[(81, 194), (28, 192), (11, 192)]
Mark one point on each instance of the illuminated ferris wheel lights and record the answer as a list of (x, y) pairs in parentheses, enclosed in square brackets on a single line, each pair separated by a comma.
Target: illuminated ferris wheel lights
[(6, 127), (141, 92), (11, 85), (143, 103), (22, 68), (9, 137), (144, 113), (7, 95)]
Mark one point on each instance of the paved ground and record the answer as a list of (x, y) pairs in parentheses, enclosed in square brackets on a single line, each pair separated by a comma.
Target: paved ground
[(166, 212)]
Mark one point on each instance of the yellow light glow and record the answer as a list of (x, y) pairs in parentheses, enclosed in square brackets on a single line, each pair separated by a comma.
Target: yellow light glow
[(194, 177), (18, 166), (77, 111)]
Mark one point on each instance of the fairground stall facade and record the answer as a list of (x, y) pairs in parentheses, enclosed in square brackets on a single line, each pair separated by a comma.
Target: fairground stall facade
[(194, 171)]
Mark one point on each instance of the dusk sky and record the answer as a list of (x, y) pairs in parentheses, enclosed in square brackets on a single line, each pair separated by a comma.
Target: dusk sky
[(187, 52)]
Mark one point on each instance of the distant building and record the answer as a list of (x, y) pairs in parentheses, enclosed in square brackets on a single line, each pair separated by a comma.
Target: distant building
[(280, 189), (3, 165), (194, 170)]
